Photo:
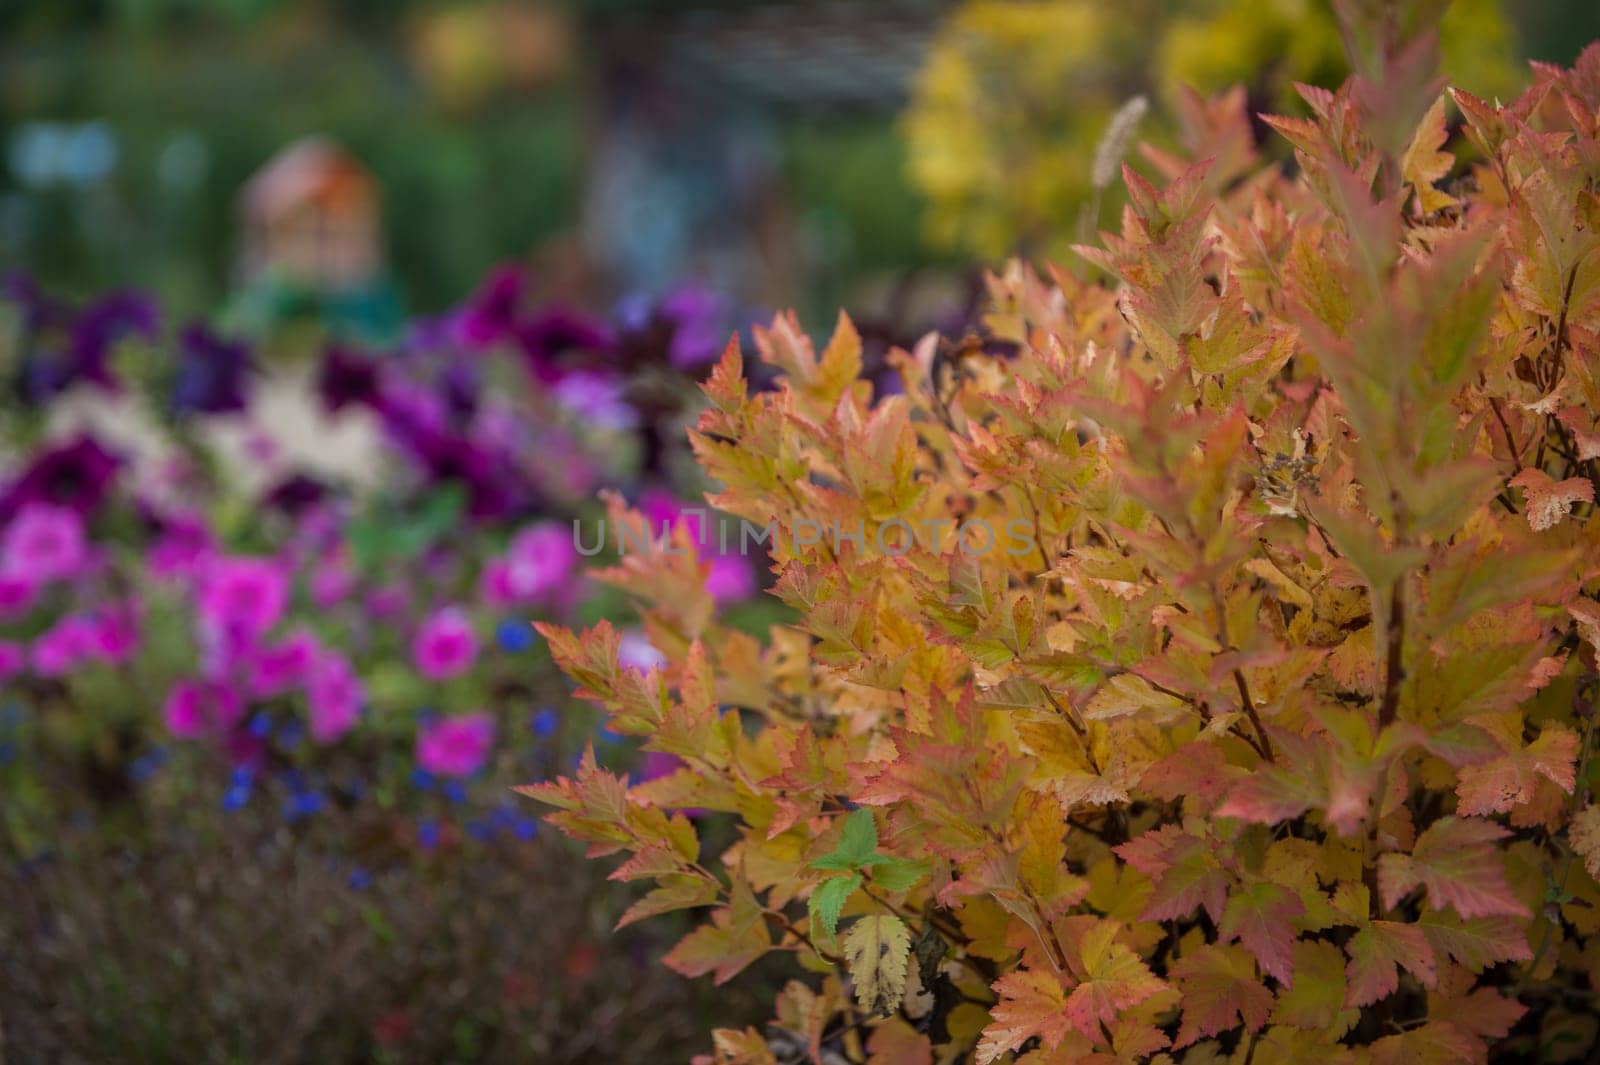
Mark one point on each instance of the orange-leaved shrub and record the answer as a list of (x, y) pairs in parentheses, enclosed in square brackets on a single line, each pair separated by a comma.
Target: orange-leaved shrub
[(1198, 662)]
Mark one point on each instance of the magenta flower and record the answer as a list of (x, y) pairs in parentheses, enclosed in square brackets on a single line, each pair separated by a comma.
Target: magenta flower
[(198, 708), (17, 593), (65, 645), (185, 546), (241, 598), (445, 645), (43, 543), (335, 696), (537, 565), (730, 579), (13, 659), (455, 746), (116, 632), (283, 666), (332, 580)]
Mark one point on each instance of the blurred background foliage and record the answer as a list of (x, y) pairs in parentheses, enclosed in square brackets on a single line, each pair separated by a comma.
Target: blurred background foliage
[(129, 127)]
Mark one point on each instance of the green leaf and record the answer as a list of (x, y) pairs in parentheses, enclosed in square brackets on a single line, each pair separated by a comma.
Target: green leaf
[(857, 847), (897, 874), (828, 900)]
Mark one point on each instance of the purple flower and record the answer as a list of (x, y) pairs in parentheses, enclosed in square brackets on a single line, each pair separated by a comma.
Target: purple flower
[(44, 543), (636, 652), (347, 378), (455, 746), (295, 494), (555, 332), (491, 313), (202, 708), (335, 697), (698, 333), (445, 646), (283, 666), (597, 398), (76, 474), (212, 373), (242, 597), (13, 659)]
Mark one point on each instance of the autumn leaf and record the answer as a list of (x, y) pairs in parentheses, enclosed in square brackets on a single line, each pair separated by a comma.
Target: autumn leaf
[(1114, 979), (1220, 992), (1549, 501), (1458, 864), (1259, 917), (1424, 164), (1375, 953)]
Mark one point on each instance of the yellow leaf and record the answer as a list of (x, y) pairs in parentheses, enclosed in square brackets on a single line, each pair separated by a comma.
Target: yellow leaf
[(877, 950), (1424, 163)]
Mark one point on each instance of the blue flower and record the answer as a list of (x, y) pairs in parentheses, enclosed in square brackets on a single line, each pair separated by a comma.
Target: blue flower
[(525, 827), (360, 879), (261, 725), (427, 834), (302, 804), (421, 779), (236, 797), (545, 723), (514, 636), (455, 791)]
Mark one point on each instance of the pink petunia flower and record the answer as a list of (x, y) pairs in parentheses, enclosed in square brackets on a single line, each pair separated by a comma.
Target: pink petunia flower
[(65, 645), (538, 564), (335, 696), (116, 632), (332, 580), (283, 666), (13, 659), (445, 646), (184, 547), (241, 598), (198, 708), (17, 593), (44, 543), (730, 579), (455, 746)]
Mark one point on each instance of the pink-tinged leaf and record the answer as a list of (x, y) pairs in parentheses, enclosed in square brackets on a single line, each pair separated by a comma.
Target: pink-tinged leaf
[(1268, 796), (1512, 779), (1375, 951), (1549, 501), (1220, 991), (1032, 1005), (1115, 980), (1184, 872), (1197, 771), (1259, 917), (1457, 861)]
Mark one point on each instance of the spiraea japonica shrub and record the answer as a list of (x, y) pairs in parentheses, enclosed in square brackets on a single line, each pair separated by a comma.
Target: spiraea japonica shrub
[(1196, 664)]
